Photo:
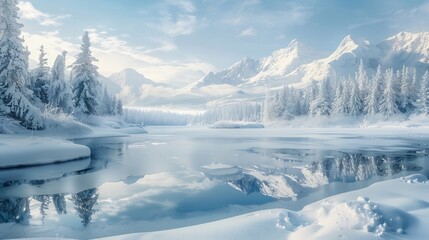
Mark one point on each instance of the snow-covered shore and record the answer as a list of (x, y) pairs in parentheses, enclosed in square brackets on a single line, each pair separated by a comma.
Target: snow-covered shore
[(22, 147), (17, 151), (392, 209)]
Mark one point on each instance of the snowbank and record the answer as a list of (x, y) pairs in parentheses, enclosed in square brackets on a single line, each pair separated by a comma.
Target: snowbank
[(236, 125), (16, 151), (393, 209)]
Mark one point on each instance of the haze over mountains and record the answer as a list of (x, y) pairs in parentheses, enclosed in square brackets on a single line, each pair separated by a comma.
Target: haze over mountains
[(295, 65)]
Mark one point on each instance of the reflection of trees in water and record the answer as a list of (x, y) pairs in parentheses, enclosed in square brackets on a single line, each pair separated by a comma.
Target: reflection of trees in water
[(18, 209), (14, 210), (84, 203), (60, 203), (298, 181), (358, 167), (44, 200)]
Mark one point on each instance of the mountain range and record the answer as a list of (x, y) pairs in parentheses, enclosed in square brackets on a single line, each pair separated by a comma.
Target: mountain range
[(295, 65)]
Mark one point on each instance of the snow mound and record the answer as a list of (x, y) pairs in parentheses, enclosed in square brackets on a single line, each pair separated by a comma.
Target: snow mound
[(415, 178), (328, 217), (233, 125)]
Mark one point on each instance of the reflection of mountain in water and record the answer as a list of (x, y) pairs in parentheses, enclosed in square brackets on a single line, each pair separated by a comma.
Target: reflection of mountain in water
[(298, 181)]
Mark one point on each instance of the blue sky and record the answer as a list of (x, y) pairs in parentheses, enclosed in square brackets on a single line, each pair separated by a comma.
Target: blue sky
[(178, 41)]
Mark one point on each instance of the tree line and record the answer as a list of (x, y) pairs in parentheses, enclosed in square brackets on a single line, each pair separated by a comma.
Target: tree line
[(386, 93)]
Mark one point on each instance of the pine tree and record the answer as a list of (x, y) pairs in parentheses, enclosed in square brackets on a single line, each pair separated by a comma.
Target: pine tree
[(423, 100), (114, 106), (106, 102), (120, 107), (355, 102), (390, 98), (41, 78), (362, 79), (86, 87), (372, 100), (407, 102), (321, 105), (14, 70), (339, 107), (60, 93)]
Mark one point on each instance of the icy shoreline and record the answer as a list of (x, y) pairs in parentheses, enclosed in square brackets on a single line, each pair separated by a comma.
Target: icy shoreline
[(18, 151), (24, 148)]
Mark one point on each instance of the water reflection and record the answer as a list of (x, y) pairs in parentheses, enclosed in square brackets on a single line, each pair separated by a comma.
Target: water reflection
[(14, 210), (75, 189), (84, 203), (318, 169), (43, 189)]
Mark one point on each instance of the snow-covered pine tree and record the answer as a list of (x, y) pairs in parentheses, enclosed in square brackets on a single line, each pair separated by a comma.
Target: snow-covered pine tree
[(372, 100), (423, 100), (321, 105), (355, 102), (407, 102), (114, 106), (362, 79), (120, 107), (106, 103), (339, 107), (267, 105), (41, 78), (86, 87), (60, 92), (389, 105), (14, 70)]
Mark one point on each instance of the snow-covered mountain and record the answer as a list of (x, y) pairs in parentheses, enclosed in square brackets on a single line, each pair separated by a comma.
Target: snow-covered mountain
[(299, 66), (294, 64), (405, 48), (258, 72), (132, 86), (344, 61)]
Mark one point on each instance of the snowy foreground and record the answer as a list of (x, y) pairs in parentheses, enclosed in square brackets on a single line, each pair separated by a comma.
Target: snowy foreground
[(393, 209)]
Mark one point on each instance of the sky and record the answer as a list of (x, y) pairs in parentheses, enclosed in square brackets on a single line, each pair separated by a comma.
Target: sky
[(179, 41)]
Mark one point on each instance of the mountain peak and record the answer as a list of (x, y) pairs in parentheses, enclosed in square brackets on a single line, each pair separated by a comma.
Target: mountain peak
[(407, 42), (294, 44), (131, 72), (131, 77), (348, 42)]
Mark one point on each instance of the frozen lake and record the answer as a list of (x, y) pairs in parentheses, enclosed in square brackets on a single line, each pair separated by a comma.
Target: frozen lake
[(178, 176)]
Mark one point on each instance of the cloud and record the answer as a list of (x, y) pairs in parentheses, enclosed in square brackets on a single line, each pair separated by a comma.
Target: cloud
[(184, 24), (284, 13), (29, 12), (248, 32), (115, 54), (172, 18), (53, 44)]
